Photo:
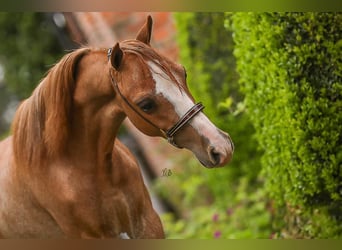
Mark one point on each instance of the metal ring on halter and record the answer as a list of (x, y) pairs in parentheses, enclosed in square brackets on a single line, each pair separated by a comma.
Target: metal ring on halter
[(169, 134)]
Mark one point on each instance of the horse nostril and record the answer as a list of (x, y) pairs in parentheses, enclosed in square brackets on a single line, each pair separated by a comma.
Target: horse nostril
[(215, 157)]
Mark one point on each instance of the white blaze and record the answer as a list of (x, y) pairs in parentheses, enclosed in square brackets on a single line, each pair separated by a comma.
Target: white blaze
[(180, 101), (165, 87)]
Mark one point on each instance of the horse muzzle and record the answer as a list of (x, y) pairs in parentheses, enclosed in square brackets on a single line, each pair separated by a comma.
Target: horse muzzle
[(220, 153)]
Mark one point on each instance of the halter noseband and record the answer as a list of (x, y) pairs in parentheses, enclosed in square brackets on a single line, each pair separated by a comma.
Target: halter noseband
[(168, 134)]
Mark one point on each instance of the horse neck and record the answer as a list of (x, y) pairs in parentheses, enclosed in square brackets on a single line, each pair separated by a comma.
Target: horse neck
[(92, 135), (55, 125), (96, 115)]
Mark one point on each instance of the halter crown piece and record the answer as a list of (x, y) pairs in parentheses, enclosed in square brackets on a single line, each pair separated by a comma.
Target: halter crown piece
[(168, 134)]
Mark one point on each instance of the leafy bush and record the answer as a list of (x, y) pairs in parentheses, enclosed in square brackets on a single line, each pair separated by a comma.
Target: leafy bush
[(290, 71), (28, 48)]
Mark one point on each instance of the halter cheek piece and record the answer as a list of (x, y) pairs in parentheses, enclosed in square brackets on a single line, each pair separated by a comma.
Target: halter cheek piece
[(168, 134)]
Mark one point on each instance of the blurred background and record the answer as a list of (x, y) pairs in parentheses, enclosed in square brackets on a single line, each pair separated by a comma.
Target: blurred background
[(273, 81)]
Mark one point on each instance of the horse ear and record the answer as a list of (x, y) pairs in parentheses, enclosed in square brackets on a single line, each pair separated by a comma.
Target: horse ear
[(144, 34), (116, 56)]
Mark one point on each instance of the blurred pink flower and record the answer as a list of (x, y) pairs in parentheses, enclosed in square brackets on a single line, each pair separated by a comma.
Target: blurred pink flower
[(215, 217), (217, 234), (273, 235), (229, 211)]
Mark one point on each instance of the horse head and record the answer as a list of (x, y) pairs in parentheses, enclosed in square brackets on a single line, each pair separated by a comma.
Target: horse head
[(154, 95)]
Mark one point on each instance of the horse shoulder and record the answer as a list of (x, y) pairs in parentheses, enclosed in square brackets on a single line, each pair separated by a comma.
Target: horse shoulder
[(123, 159), (6, 152), (5, 173), (6, 168), (137, 192)]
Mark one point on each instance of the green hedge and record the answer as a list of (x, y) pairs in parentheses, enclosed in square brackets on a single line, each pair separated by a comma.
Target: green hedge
[(290, 70)]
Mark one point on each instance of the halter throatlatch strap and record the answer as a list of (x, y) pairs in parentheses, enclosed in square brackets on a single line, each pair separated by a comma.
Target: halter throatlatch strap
[(168, 134)]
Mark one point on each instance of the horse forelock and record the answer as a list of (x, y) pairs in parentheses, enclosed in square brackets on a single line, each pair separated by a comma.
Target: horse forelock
[(148, 54), (41, 123)]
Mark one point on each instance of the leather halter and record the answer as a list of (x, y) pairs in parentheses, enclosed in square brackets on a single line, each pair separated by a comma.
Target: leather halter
[(168, 134)]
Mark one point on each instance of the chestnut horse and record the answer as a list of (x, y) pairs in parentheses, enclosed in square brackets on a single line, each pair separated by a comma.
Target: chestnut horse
[(64, 174)]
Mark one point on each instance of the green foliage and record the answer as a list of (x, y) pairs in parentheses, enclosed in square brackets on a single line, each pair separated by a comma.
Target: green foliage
[(28, 48), (242, 211), (206, 51), (290, 71)]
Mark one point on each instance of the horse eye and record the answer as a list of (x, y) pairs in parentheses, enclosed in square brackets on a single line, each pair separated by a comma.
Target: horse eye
[(147, 105)]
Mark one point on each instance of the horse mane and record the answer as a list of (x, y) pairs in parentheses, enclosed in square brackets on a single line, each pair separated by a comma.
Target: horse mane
[(41, 123)]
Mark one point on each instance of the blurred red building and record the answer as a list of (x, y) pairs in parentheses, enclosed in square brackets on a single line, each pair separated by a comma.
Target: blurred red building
[(105, 28)]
